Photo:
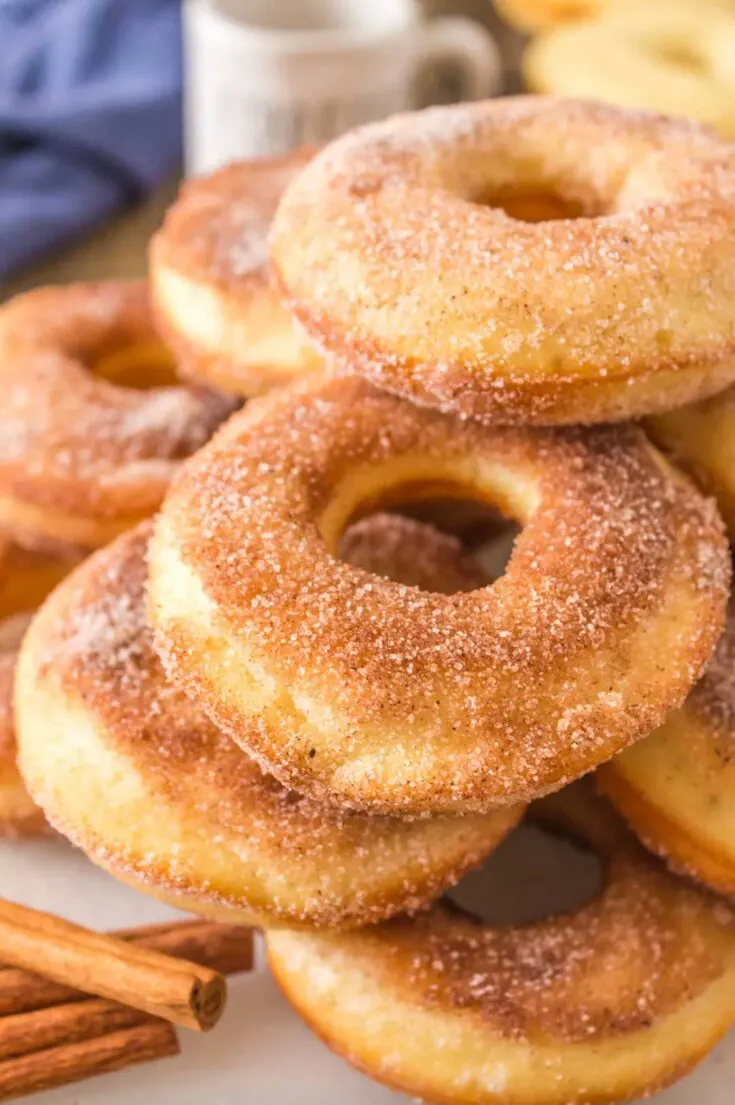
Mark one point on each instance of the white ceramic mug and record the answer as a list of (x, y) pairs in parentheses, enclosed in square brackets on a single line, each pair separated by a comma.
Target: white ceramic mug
[(265, 76)]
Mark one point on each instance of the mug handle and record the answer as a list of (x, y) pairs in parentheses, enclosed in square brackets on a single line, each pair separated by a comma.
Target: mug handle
[(466, 45)]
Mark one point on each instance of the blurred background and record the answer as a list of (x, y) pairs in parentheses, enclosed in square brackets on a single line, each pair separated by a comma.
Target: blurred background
[(104, 104)]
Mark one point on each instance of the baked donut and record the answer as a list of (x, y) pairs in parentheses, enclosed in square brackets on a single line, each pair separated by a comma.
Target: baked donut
[(533, 15), (26, 577), (701, 439), (92, 422), (676, 788), (673, 57), (374, 696), (169, 802), (526, 259), (530, 15), (604, 1004), (210, 284)]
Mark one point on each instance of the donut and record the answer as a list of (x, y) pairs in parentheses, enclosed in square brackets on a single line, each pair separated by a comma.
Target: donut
[(170, 803), (701, 439), (533, 15), (672, 57), (27, 574), (676, 788), (612, 1001), (530, 15), (93, 421), (370, 695), (214, 299), (526, 259)]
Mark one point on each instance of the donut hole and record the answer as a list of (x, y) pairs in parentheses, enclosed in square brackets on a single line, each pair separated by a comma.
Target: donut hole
[(533, 875), (140, 366), (537, 205), (412, 485), (476, 524), (494, 553), (438, 546)]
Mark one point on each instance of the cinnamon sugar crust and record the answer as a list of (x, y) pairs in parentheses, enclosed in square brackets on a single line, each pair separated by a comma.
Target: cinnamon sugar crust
[(82, 457), (607, 1003), (677, 788), (374, 696), (170, 802), (210, 279), (395, 250)]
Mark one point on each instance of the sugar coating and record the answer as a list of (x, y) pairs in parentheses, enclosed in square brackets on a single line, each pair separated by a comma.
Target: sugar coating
[(294, 860), (643, 966), (210, 280), (419, 701), (217, 228), (69, 440), (394, 250)]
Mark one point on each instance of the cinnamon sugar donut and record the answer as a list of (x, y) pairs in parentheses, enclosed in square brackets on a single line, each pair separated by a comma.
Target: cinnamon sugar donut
[(676, 788), (210, 283), (93, 422), (168, 801), (664, 55), (530, 15), (26, 577), (534, 15), (605, 1004), (701, 439), (526, 259), (371, 695)]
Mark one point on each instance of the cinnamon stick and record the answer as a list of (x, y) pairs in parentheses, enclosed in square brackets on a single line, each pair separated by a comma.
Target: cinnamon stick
[(225, 948), (177, 990), (60, 1066), (65, 1024)]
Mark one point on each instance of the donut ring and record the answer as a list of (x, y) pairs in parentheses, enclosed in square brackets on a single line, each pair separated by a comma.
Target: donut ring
[(26, 577), (373, 696), (210, 284), (671, 57), (392, 255), (701, 439), (83, 456), (604, 1004), (676, 788), (224, 840)]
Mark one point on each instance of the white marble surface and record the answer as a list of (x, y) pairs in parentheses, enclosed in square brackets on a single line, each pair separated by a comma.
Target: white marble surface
[(260, 1054)]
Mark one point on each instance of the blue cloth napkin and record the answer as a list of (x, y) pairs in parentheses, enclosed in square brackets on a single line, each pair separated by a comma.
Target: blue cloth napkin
[(90, 114)]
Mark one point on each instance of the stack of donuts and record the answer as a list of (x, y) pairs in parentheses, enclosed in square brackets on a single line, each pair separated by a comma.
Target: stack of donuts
[(286, 701), (674, 56)]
